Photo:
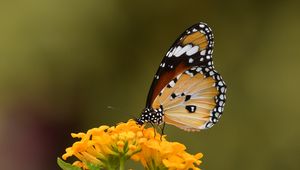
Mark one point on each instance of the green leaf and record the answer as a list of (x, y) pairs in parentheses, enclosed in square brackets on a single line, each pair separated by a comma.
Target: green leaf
[(66, 166), (93, 167)]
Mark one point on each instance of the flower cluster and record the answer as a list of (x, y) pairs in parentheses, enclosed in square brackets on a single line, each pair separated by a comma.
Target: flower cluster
[(109, 147)]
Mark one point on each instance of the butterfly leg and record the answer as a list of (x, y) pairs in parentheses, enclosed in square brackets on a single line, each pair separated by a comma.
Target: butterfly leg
[(162, 130), (154, 128)]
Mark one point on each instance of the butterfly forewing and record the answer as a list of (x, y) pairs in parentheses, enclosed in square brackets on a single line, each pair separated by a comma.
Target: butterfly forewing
[(192, 48)]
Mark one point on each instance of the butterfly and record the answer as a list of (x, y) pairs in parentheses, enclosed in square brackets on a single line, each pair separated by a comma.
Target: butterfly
[(187, 91)]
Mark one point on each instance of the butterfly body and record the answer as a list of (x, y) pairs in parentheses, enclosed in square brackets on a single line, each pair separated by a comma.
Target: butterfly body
[(151, 115), (187, 91)]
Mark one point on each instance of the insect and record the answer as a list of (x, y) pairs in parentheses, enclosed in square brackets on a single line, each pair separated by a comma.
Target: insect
[(187, 91)]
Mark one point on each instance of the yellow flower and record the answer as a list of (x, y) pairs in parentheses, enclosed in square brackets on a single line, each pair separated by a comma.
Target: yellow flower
[(157, 153), (109, 148), (105, 146)]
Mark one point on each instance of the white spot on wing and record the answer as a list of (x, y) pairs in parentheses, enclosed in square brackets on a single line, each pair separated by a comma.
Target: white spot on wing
[(172, 83), (223, 89), (177, 49), (203, 52), (183, 50), (198, 69), (189, 73), (169, 52), (192, 51), (172, 52), (220, 83)]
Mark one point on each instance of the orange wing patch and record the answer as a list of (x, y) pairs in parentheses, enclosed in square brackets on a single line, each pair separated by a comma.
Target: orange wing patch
[(196, 38)]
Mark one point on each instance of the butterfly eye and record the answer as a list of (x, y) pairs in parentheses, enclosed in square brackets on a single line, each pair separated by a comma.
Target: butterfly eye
[(187, 91)]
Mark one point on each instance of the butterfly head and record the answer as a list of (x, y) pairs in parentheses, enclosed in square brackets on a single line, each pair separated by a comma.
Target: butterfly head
[(139, 121)]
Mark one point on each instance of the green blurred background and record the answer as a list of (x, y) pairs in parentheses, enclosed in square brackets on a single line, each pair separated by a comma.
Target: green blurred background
[(67, 66)]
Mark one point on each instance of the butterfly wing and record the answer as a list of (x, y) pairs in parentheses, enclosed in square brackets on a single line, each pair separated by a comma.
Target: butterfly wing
[(196, 101), (186, 86), (192, 48)]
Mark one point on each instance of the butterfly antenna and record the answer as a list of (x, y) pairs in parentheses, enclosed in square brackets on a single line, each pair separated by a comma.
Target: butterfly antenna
[(111, 108), (132, 116)]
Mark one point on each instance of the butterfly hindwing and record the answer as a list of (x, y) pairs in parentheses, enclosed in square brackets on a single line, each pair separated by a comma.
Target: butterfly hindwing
[(195, 101)]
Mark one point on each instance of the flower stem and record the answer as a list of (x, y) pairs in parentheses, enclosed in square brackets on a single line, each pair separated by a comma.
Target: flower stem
[(122, 164)]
